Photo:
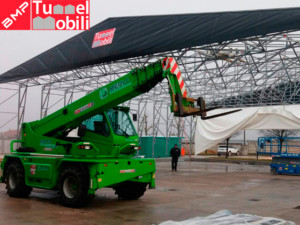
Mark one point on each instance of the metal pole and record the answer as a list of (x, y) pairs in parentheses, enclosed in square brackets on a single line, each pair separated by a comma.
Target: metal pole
[(167, 131), (138, 125), (3, 145), (42, 100), (138, 118), (19, 108), (191, 135), (153, 124), (178, 130), (227, 142), (65, 97)]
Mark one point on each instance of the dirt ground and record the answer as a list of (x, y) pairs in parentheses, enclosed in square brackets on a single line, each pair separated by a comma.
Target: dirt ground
[(196, 189)]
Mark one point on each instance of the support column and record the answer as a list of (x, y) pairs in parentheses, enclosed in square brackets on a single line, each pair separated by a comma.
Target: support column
[(21, 108), (153, 130), (45, 97), (179, 131), (192, 125), (3, 145), (68, 99), (167, 131)]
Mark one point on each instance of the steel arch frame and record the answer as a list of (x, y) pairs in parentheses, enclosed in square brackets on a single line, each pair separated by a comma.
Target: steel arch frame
[(265, 70)]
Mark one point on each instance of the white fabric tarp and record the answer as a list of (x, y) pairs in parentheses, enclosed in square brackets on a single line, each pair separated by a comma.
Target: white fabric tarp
[(211, 132), (225, 217)]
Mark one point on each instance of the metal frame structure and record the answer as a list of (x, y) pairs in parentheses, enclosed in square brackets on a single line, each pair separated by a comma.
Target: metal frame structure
[(264, 70)]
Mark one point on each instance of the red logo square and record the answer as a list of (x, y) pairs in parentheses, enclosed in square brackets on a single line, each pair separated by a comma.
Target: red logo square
[(15, 15), (104, 37)]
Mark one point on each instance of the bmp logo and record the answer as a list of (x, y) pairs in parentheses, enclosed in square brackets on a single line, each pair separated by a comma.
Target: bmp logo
[(8, 21), (45, 15)]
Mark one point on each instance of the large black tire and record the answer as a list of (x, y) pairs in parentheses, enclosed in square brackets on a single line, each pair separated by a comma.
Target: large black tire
[(130, 190), (15, 181), (273, 171), (73, 187)]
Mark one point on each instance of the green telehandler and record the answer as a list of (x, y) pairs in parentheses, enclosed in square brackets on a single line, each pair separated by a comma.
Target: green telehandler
[(103, 152)]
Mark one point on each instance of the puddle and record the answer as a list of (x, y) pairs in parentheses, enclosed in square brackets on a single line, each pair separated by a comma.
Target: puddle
[(166, 189), (215, 195), (249, 184), (254, 200), (72, 212)]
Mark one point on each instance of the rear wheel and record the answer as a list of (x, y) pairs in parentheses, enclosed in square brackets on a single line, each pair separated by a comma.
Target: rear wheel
[(273, 171), (15, 181), (73, 187), (229, 153), (130, 190)]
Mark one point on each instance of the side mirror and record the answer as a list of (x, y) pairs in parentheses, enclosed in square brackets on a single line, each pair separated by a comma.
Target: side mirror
[(81, 130), (134, 117)]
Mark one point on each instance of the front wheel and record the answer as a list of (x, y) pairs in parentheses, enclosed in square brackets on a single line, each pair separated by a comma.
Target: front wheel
[(15, 181), (73, 187), (273, 171), (130, 190)]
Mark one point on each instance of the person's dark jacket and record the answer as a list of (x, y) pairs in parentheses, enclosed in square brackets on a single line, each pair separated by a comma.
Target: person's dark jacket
[(175, 152)]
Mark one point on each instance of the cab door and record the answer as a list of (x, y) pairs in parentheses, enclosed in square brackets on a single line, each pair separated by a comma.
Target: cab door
[(98, 132)]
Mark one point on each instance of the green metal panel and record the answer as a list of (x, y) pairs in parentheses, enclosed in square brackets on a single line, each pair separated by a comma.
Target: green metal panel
[(43, 171), (162, 146)]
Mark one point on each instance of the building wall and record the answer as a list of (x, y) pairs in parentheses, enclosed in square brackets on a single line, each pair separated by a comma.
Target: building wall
[(5, 145), (162, 146)]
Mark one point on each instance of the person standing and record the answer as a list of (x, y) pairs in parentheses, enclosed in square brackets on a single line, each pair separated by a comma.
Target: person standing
[(175, 153)]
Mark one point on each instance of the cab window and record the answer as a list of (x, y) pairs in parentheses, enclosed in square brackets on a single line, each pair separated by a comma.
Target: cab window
[(97, 124)]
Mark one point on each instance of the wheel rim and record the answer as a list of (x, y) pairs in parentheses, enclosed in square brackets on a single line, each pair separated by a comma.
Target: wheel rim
[(70, 187), (12, 180)]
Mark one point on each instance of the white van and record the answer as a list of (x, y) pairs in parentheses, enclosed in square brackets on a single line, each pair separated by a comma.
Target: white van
[(232, 150)]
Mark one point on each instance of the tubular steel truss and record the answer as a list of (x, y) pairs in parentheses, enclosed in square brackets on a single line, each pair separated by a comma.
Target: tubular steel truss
[(254, 71)]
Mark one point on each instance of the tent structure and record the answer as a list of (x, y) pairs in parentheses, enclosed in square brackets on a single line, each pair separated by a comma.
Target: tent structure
[(232, 59), (211, 132), (146, 35)]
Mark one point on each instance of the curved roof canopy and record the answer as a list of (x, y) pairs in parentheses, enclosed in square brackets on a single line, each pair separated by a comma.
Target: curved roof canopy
[(271, 95), (144, 35)]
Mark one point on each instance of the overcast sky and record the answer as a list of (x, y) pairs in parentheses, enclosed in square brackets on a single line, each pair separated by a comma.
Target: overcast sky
[(17, 47)]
